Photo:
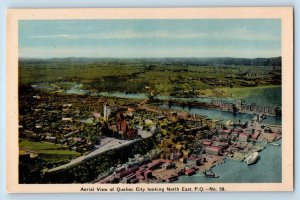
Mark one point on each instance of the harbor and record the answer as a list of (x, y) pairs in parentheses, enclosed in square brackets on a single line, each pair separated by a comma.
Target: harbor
[(266, 170)]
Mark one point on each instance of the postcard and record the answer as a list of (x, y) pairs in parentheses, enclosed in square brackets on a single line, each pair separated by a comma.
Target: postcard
[(150, 100)]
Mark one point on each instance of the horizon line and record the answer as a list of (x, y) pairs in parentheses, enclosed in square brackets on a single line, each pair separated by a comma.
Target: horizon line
[(43, 58)]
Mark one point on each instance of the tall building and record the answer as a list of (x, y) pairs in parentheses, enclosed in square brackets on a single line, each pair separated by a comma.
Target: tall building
[(106, 112)]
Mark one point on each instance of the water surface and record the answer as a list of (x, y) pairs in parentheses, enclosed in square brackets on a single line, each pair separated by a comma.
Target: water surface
[(223, 115)]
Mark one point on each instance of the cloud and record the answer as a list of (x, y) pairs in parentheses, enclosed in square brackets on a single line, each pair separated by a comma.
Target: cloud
[(245, 34), (230, 34), (56, 36), (32, 52)]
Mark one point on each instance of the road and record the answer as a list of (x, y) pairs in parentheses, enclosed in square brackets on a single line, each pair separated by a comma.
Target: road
[(109, 145)]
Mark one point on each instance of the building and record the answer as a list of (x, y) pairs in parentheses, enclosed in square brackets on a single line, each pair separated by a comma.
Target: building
[(122, 125), (227, 106), (132, 133), (154, 165), (148, 173), (248, 131), (131, 178), (213, 150), (243, 137), (189, 172), (140, 172), (256, 135), (174, 116), (217, 102), (106, 112), (207, 142), (50, 139), (168, 165)]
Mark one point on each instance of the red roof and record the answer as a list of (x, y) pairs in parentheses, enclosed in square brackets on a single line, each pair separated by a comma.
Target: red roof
[(226, 131), (206, 143), (194, 158), (214, 148), (243, 135), (147, 171), (189, 171), (154, 164)]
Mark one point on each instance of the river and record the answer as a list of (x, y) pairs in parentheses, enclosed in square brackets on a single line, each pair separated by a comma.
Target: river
[(260, 96), (223, 115)]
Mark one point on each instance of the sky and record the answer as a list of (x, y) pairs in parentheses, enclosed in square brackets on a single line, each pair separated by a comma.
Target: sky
[(144, 38)]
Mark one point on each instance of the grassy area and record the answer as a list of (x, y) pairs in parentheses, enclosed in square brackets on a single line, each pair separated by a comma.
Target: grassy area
[(47, 151), (38, 146), (260, 95), (237, 92), (244, 92)]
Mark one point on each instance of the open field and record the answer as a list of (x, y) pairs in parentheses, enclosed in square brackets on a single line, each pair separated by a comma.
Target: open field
[(49, 152), (261, 95)]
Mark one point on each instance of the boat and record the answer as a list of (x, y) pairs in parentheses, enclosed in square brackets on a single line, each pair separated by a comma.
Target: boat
[(252, 158), (275, 144), (210, 174)]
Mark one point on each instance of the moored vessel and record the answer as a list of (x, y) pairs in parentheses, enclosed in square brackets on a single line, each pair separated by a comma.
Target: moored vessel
[(210, 174), (252, 158)]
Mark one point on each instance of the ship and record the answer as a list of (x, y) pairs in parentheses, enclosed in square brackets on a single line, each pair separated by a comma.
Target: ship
[(210, 174), (275, 144), (252, 158)]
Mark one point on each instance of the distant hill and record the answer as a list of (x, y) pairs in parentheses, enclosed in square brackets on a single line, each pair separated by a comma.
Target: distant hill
[(223, 61)]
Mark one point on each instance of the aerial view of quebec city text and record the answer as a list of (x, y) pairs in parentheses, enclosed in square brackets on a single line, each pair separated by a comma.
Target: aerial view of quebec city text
[(128, 101)]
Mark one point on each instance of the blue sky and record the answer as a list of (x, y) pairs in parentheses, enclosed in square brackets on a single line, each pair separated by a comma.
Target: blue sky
[(249, 38)]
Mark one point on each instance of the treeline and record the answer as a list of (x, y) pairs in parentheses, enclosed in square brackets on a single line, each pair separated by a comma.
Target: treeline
[(274, 61)]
